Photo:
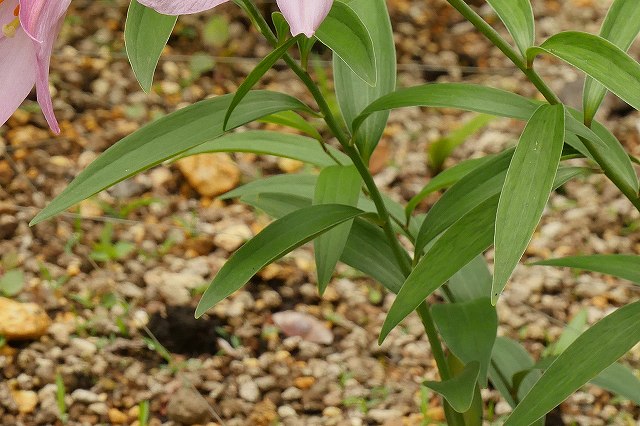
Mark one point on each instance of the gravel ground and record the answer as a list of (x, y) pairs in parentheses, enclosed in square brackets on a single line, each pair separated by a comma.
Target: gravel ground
[(110, 284)]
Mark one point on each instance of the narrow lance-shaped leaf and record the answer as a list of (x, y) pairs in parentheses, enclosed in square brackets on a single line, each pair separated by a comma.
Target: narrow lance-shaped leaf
[(276, 240), (367, 248), (571, 332), (443, 180), (517, 16), (472, 190), (471, 282), (352, 92), (526, 190), (620, 27), (472, 97), (255, 75), (591, 353), (145, 34), (347, 36), (508, 359), (336, 185), (619, 265), (469, 329), (164, 139), (265, 142), (620, 380), (276, 205), (301, 185), (598, 58), (281, 25), (293, 120), (458, 245), (470, 236), (459, 390), (611, 157)]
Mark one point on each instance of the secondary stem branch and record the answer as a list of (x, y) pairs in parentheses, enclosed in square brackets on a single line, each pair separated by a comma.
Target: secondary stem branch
[(495, 38)]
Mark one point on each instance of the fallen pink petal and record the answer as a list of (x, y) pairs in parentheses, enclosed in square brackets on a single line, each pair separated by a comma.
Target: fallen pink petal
[(294, 323)]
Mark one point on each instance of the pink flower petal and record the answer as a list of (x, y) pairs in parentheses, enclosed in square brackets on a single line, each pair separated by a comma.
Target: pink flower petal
[(17, 72), (40, 17), (181, 7), (43, 54), (304, 16)]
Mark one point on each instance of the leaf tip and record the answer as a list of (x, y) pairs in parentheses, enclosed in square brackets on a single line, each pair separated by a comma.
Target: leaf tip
[(200, 311)]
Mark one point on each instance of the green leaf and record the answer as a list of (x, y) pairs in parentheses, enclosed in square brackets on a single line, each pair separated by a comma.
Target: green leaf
[(276, 240), (276, 205), (264, 142), (459, 390), (346, 35), (293, 120), (476, 98), (367, 247), (301, 185), (620, 380), (469, 329), (619, 265), (571, 332), (517, 16), (470, 97), (458, 245), (441, 149), (281, 25), (444, 180), (471, 282), (146, 32), (163, 139), (594, 351), (526, 190), (508, 359), (471, 235), (352, 92), (610, 156), (620, 27), (368, 250), (12, 282), (254, 76), (335, 185), (472, 190), (598, 58)]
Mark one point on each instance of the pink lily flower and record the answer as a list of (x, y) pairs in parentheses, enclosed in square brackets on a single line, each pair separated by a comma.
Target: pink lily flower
[(304, 16), (29, 29)]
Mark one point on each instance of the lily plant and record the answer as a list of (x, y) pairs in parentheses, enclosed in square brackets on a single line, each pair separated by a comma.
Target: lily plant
[(434, 262), (29, 30)]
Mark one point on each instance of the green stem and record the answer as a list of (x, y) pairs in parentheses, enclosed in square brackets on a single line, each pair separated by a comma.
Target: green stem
[(454, 418), (434, 340), (341, 136), (399, 252), (495, 38)]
